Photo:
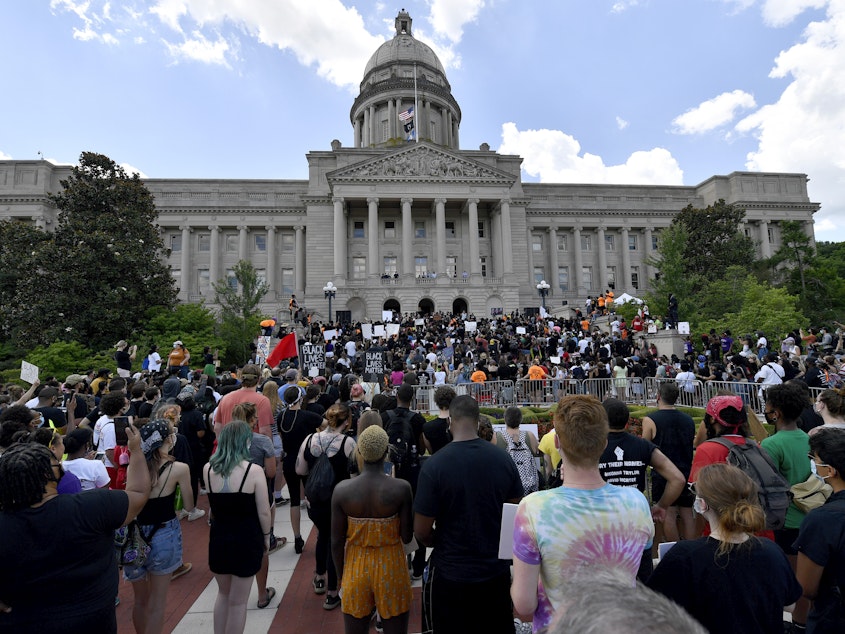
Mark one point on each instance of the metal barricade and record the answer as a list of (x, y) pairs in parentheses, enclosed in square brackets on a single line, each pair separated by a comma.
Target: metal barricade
[(488, 394), (752, 394), (691, 393), (537, 392)]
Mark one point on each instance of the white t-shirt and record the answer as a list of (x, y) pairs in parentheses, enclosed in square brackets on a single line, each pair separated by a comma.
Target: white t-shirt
[(155, 361), (104, 438), (91, 473), (351, 349), (686, 381), (771, 373), (440, 378)]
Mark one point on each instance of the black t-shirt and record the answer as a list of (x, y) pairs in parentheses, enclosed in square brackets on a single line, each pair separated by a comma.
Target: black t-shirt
[(674, 437), (53, 414), (437, 433), (61, 553), (122, 359), (294, 427), (191, 422), (463, 486), (625, 459), (145, 409), (745, 593)]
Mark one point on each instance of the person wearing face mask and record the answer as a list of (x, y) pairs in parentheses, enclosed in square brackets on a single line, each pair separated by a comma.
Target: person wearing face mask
[(750, 576), (830, 405), (821, 539)]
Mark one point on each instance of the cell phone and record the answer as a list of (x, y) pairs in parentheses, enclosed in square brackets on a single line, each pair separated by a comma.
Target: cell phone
[(388, 468), (120, 425)]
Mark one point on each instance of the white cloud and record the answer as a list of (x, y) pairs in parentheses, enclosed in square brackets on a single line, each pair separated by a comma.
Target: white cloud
[(129, 169), (448, 17), (713, 113), (804, 130), (621, 123), (4, 156), (556, 157), (622, 5), (778, 12), (170, 12), (200, 49)]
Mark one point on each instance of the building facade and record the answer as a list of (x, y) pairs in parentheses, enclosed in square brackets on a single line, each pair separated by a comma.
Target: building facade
[(420, 225)]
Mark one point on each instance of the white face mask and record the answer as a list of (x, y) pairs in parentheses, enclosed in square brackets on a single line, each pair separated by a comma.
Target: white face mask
[(699, 506), (817, 407)]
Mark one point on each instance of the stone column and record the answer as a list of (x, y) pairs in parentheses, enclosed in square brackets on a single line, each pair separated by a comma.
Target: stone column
[(243, 252), (765, 245), (339, 239), (372, 237), (365, 141), (808, 229), (601, 247), (531, 257), (448, 126), (214, 254), (579, 259), (440, 235), (373, 136), (552, 276), (391, 118), (496, 244), (407, 238), (648, 236), (474, 261), (357, 131), (299, 260), (507, 242), (271, 261), (626, 264), (186, 261)]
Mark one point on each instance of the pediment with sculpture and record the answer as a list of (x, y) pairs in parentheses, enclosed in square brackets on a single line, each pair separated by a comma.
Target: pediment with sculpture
[(421, 163)]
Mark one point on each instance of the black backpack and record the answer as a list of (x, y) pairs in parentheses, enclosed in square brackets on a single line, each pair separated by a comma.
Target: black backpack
[(321, 477), (400, 436), (773, 488), (205, 402)]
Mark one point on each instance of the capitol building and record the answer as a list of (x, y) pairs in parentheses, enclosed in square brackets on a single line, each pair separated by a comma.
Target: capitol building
[(420, 225)]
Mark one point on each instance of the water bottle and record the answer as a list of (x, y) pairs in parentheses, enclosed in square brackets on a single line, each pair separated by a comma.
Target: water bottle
[(414, 459)]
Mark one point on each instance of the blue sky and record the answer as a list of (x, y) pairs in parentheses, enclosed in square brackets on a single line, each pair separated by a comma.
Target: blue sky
[(615, 91)]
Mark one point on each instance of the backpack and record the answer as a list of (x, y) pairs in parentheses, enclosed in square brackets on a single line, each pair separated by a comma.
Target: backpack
[(205, 403), (773, 488), (521, 455), (321, 478), (400, 438), (356, 408), (145, 364)]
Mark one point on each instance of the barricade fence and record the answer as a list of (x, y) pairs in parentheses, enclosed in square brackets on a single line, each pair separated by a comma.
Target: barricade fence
[(488, 394)]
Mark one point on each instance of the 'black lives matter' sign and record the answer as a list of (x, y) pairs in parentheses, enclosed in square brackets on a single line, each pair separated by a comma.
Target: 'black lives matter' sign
[(375, 365), (312, 356)]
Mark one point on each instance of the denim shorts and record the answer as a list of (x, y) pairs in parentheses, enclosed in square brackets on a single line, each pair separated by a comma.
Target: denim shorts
[(277, 446), (165, 553)]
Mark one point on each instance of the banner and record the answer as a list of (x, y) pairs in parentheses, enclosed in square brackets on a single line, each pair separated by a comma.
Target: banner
[(312, 357), (375, 365)]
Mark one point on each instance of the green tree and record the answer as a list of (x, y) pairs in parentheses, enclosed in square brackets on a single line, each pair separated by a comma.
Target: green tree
[(19, 263), (714, 241), (103, 268), (793, 257), (673, 274), (193, 324), (239, 297)]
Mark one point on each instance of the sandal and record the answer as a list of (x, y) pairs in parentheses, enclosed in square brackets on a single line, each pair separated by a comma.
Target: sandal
[(276, 543), (271, 592)]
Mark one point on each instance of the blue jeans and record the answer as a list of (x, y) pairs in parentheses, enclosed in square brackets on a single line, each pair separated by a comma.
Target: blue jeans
[(165, 552)]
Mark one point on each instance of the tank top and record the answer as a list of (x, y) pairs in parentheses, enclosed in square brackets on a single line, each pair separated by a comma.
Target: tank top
[(674, 437)]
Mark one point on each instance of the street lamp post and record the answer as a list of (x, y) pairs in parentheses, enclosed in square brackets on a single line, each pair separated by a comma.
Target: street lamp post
[(330, 290), (543, 288)]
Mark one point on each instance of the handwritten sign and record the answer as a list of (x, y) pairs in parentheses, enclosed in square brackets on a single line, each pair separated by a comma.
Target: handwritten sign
[(367, 331), (312, 356), (29, 372), (375, 365)]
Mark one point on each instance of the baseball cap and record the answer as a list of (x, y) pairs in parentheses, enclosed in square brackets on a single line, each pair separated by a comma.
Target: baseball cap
[(718, 404)]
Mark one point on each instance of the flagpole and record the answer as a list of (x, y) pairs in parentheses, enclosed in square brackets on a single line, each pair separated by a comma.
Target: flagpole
[(416, 107)]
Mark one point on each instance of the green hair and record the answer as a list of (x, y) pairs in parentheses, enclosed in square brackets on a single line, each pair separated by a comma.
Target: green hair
[(232, 448)]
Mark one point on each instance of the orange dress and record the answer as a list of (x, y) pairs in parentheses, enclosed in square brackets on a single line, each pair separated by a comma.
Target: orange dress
[(375, 571)]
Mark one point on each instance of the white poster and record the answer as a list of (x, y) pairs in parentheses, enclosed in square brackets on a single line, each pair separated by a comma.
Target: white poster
[(392, 329), (470, 326), (419, 322), (555, 360), (29, 372), (367, 331), (386, 315), (313, 371), (328, 335), (378, 330), (683, 327), (520, 330), (652, 329)]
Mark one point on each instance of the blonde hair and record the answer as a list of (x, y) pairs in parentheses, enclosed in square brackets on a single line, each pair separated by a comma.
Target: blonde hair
[(372, 444), (246, 412), (338, 414), (271, 391)]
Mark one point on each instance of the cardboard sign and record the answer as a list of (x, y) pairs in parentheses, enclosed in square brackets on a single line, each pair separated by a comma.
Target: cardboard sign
[(378, 330), (419, 322), (29, 372), (470, 326), (263, 346), (312, 356), (367, 331), (328, 335), (683, 327), (375, 365), (392, 329), (520, 330), (386, 315)]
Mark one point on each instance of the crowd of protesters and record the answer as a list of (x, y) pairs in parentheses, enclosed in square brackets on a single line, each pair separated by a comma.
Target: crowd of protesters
[(243, 435)]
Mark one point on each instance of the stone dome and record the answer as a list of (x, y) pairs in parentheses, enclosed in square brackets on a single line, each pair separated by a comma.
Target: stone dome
[(403, 49)]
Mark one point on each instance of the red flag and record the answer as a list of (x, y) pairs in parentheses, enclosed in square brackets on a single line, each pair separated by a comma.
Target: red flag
[(285, 349)]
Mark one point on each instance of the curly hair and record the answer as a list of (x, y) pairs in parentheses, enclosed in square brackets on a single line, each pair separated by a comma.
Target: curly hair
[(25, 470)]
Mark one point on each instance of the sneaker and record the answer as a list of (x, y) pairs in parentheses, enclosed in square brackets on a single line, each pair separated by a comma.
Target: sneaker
[(415, 576), (276, 543), (195, 514), (181, 570), (282, 501), (203, 491), (320, 586), (181, 514), (379, 625), (331, 602), (298, 545)]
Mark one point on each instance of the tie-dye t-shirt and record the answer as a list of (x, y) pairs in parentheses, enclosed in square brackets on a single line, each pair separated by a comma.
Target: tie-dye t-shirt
[(564, 529)]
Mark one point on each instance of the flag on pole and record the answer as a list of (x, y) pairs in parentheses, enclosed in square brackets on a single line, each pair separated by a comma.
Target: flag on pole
[(285, 349), (409, 130), (406, 115)]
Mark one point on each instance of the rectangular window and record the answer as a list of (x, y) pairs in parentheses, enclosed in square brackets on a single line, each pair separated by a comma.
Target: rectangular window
[(287, 282), (611, 277), (390, 265), (359, 268), (358, 229), (635, 276), (563, 278), (633, 243), (232, 242), (536, 243), (586, 243), (539, 274), (389, 229), (231, 280), (561, 243), (261, 276), (419, 229), (452, 266), (587, 277), (203, 282), (747, 232), (483, 266), (432, 131), (177, 278), (204, 242), (421, 266), (771, 234), (260, 242), (480, 229), (609, 243), (176, 242), (654, 243), (450, 229), (287, 241)]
